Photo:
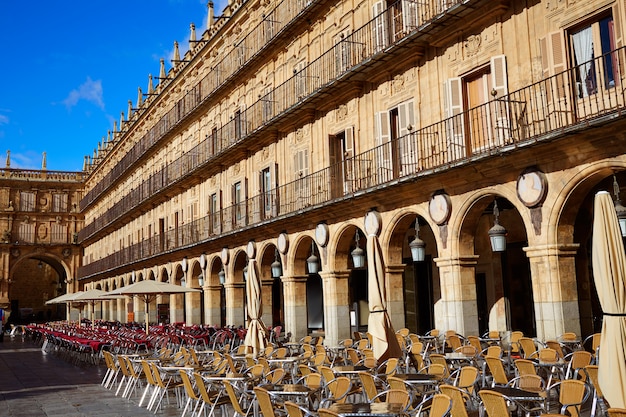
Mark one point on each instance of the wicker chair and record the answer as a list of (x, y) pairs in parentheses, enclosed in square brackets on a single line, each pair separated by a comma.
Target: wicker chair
[(494, 403)]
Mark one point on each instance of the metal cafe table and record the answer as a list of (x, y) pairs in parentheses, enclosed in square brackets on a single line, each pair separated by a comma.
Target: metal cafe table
[(526, 399), (298, 393), (381, 409)]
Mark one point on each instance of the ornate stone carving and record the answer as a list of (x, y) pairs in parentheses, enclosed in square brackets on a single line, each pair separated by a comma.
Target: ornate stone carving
[(398, 84), (472, 45), (341, 113)]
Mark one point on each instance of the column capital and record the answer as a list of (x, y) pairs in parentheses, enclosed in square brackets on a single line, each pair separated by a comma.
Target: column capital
[(563, 249), (335, 274), (467, 260), (294, 278), (234, 285)]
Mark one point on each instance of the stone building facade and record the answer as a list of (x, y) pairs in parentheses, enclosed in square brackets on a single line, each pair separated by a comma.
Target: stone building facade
[(286, 122), (39, 251)]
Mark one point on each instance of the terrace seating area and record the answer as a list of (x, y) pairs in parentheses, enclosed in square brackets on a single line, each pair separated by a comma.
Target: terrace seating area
[(192, 370)]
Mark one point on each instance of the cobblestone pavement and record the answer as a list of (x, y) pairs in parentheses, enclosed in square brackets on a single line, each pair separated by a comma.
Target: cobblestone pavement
[(36, 384)]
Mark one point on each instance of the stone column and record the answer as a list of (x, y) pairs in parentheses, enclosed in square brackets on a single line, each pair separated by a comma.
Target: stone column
[(336, 306), (553, 272), (192, 307), (266, 301), (235, 306), (395, 295), (212, 307), (457, 310), (294, 296)]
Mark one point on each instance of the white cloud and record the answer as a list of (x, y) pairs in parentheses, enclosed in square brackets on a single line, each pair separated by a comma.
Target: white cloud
[(26, 160), (89, 91), (4, 120)]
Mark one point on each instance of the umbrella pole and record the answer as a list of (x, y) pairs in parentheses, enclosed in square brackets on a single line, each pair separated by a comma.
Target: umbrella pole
[(147, 317)]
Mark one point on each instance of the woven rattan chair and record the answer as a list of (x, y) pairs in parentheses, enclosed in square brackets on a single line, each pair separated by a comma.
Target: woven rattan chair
[(496, 368), (241, 408), (325, 412), (297, 410), (210, 398), (371, 385), (494, 403), (525, 367), (459, 401), (192, 397), (577, 361), (336, 391), (396, 396), (617, 412), (572, 395), (592, 378), (440, 406), (267, 407)]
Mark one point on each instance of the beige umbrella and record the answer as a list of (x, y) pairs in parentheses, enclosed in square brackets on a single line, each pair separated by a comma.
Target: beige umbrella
[(92, 297), (609, 273), (148, 290), (68, 299), (384, 342), (256, 336)]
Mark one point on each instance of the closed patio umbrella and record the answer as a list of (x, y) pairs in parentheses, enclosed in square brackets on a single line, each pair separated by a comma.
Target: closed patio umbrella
[(384, 342), (256, 336), (148, 290), (609, 274)]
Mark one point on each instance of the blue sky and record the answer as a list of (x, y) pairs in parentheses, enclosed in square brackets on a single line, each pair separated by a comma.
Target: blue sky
[(69, 67)]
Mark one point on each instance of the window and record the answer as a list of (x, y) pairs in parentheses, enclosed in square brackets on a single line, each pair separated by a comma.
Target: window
[(586, 43), (342, 52), (58, 233), (482, 95), (301, 171), (398, 154), (214, 207), (266, 187), (301, 80), (268, 103), (27, 201), (59, 202)]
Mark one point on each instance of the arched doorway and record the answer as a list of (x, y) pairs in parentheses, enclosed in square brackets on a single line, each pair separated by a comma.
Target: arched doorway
[(33, 281)]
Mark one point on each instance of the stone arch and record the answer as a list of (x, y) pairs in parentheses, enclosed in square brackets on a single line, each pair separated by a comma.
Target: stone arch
[(272, 288), (420, 282), (571, 216), (479, 282), (34, 277)]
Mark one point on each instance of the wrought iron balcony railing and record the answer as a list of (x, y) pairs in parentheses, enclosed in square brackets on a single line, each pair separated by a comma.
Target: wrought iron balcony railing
[(541, 111), (345, 57)]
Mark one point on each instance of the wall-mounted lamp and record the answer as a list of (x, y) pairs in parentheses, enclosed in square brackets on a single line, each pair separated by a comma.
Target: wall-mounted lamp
[(40, 265), (417, 245), (222, 276), (277, 268), (245, 270), (358, 254), (620, 210), (201, 280), (312, 262), (497, 234)]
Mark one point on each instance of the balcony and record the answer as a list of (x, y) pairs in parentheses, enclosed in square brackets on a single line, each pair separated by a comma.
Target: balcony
[(359, 55), (541, 112)]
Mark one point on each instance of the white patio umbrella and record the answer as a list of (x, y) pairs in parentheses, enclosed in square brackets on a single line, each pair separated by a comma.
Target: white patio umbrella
[(148, 290), (384, 342), (256, 336), (609, 273), (92, 297), (67, 299)]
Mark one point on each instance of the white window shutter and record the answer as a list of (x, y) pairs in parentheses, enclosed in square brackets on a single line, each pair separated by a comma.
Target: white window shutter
[(407, 145), (380, 26), (383, 136), (453, 101)]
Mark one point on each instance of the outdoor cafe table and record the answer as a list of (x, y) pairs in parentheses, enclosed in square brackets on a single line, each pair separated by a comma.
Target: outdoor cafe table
[(381, 409), (457, 359), (350, 370), (298, 393), (522, 396)]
